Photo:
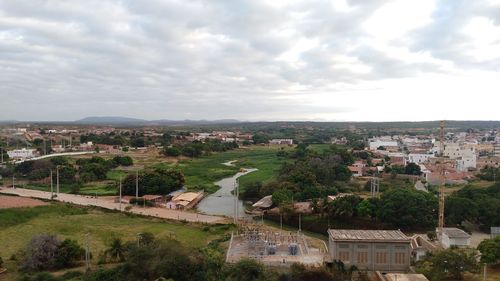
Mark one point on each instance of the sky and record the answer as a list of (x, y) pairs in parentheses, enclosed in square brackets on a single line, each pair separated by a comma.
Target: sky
[(312, 60)]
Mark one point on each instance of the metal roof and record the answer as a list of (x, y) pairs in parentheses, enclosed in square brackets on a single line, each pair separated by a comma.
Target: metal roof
[(368, 235), (455, 232)]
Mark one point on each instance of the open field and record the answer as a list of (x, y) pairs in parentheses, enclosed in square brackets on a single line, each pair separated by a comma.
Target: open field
[(19, 202), (203, 172), (17, 226)]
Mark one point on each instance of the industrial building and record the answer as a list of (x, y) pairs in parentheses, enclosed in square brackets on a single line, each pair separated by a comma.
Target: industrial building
[(382, 250)]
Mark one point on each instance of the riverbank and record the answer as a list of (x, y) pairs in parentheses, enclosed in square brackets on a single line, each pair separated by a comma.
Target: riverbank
[(222, 202)]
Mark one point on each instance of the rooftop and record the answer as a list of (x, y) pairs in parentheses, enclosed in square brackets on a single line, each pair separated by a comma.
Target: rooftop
[(372, 235), (405, 277), (186, 196), (455, 232)]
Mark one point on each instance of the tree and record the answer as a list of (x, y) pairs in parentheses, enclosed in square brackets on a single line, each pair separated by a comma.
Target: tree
[(246, 270), (368, 207), (123, 160), (490, 250), (40, 253), (408, 208), (68, 253), (459, 209), (172, 151), (413, 169), (450, 263), (302, 273), (116, 250), (157, 181), (344, 207), (282, 196)]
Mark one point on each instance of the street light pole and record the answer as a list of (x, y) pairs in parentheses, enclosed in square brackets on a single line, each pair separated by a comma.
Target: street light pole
[(57, 180), (51, 186), (120, 193), (136, 187)]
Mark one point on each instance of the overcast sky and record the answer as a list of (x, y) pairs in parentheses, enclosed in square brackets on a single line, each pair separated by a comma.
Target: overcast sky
[(373, 60)]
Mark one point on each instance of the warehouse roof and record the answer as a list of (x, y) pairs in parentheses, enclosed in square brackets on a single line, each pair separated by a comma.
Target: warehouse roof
[(368, 235)]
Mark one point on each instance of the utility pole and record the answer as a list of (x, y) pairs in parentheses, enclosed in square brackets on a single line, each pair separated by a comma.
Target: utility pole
[(300, 222), (120, 193), (1, 152), (57, 180), (87, 251), (51, 186), (237, 197), (441, 188), (281, 221), (136, 187), (235, 204)]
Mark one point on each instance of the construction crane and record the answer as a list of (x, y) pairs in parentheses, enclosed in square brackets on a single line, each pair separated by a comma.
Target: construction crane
[(442, 169)]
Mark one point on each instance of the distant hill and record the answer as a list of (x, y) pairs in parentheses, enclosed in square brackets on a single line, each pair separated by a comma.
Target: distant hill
[(110, 120), (117, 120)]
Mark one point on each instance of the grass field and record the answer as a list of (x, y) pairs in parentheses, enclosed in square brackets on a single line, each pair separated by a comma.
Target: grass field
[(204, 171), (17, 226)]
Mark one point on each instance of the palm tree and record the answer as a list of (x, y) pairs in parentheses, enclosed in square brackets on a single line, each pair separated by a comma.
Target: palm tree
[(116, 250)]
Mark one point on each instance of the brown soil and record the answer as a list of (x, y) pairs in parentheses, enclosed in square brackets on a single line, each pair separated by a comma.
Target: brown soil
[(19, 202)]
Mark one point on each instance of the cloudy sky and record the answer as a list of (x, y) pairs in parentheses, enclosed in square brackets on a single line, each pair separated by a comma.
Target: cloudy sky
[(321, 60)]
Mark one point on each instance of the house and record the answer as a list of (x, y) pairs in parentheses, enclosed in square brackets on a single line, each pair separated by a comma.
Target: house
[(453, 236), (22, 153), (335, 197), (418, 158), (155, 199), (281, 141), (185, 200), (465, 156), (400, 277), (386, 143), (356, 171), (495, 232), (383, 250), (264, 203), (421, 246)]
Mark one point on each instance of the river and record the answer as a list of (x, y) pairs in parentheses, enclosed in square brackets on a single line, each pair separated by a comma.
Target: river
[(222, 201)]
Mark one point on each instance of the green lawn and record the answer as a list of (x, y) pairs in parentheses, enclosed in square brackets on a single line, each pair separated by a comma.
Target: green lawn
[(92, 188), (17, 226), (116, 175)]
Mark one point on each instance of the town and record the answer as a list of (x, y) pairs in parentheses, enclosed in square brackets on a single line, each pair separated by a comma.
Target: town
[(356, 202)]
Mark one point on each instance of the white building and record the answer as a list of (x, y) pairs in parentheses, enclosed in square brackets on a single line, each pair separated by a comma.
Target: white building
[(466, 157), (418, 158), (281, 141), (22, 153), (376, 143), (453, 236)]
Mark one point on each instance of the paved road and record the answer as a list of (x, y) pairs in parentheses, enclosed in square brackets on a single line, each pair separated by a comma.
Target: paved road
[(104, 202)]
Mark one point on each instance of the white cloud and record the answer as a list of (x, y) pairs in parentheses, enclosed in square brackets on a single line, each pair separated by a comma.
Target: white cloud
[(252, 60)]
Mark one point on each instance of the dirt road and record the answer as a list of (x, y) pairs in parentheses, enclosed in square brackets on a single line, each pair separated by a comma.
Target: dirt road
[(109, 204)]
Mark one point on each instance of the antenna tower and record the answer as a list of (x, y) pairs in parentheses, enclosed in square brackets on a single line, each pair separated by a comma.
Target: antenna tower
[(442, 167)]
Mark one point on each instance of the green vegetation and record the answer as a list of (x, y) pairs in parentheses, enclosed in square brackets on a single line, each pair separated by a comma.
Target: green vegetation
[(450, 264), (156, 181), (201, 173), (477, 205), (198, 148), (18, 226)]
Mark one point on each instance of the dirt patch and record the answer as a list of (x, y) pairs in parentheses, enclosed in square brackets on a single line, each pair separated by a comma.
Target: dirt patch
[(19, 202)]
